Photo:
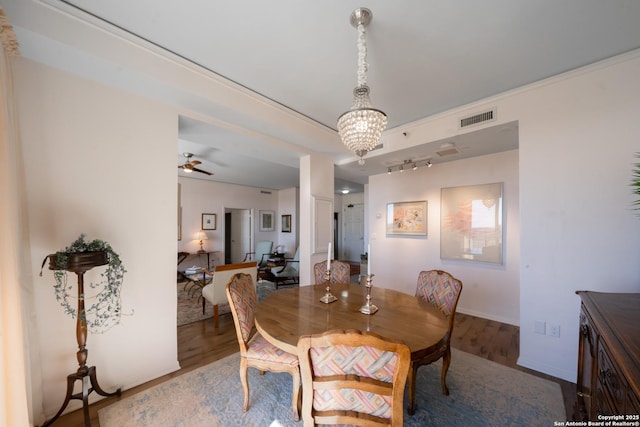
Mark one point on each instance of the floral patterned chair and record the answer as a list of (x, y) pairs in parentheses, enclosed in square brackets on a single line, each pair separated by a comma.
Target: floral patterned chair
[(441, 289), (352, 377), (340, 272), (255, 351)]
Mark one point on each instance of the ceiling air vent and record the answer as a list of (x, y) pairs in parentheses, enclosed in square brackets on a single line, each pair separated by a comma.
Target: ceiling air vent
[(447, 149), (478, 118)]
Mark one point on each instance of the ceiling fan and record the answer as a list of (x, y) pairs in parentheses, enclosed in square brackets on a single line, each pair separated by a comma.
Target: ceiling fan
[(190, 165)]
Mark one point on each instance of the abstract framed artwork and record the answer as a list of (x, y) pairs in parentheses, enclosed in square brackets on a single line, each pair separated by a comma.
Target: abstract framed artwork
[(267, 220), (407, 218), (471, 223), (209, 221)]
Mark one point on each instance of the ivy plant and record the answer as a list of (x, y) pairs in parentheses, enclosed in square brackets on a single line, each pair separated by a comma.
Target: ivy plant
[(104, 310)]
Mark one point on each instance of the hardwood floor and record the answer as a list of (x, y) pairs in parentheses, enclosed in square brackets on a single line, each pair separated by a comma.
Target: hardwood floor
[(200, 343)]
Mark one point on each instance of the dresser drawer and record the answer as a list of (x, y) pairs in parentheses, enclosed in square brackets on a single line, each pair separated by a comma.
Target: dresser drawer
[(613, 384)]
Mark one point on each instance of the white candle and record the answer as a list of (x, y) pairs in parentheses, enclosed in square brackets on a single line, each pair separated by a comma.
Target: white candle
[(329, 257), (369, 259)]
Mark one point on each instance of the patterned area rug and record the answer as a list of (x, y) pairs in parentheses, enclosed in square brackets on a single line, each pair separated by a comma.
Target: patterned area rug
[(483, 393), (190, 301)]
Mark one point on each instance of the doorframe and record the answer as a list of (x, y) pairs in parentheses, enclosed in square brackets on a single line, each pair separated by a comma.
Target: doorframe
[(250, 231)]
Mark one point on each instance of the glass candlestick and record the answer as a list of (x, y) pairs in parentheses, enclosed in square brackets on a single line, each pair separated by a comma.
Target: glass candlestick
[(328, 297), (368, 307)]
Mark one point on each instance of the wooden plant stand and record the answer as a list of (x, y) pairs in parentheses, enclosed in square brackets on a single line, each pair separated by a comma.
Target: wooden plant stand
[(80, 263)]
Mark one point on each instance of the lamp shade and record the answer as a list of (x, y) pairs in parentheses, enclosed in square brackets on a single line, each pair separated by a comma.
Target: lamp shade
[(201, 236)]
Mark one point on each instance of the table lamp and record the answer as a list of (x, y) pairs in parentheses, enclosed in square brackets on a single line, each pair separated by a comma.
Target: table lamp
[(201, 235)]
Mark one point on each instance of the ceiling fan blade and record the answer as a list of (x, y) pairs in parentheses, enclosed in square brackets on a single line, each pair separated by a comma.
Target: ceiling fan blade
[(201, 171), (195, 162)]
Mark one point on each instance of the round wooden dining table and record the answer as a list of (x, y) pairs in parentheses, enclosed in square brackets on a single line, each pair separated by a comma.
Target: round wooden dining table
[(284, 316)]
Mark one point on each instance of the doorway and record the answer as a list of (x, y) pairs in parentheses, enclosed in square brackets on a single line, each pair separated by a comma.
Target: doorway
[(238, 236), (353, 232)]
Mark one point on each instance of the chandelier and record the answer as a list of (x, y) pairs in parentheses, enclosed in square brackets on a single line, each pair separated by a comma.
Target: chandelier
[(361, 127)]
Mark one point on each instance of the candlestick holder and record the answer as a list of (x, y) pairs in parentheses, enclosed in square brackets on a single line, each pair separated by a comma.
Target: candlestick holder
[(368, 307), (328, 297)]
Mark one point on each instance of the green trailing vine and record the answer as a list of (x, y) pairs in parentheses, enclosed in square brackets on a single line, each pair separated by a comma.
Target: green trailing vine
[(635, 184), (105, 309)]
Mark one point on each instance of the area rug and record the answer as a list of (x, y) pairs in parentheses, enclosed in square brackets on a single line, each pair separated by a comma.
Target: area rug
[(483, 393), (190, 302)]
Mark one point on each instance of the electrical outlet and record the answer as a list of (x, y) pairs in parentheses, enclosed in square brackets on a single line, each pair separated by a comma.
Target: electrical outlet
[(554, 329), (539, 327)]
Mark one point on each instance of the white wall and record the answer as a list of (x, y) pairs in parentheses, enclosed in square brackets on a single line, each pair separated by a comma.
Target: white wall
[(288, 202), (578, 133), (200, 196), (102, 162), (578, 137), (491, 291)]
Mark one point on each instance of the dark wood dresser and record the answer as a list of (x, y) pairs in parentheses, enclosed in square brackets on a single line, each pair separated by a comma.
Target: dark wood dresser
[(609, 355)]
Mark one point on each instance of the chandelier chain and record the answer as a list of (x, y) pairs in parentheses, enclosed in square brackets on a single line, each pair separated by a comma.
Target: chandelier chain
[(362, 56)]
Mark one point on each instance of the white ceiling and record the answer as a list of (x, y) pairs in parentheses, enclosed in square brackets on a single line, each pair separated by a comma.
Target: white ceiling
[(425, 57)]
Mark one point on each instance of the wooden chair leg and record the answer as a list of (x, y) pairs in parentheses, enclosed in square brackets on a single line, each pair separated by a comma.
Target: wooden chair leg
[(296, 396), (413, 375), (215, 315), (244, 382), (446, 361)]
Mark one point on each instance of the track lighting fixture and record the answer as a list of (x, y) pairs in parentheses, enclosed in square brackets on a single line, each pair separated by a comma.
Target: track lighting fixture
[(408, 163)]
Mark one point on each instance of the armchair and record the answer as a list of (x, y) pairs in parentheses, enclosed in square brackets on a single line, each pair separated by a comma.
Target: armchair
[(289, 272), (215, 292), (261, 254)]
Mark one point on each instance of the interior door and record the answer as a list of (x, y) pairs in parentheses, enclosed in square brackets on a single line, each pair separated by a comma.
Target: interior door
[(353, 234), (239, 242)]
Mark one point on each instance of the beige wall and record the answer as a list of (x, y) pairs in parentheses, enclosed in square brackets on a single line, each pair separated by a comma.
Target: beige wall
[(102, 162), (490, 291)]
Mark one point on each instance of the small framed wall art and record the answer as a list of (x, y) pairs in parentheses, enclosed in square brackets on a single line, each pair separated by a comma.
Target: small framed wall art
[(267, 220), (286, 223), (407, 218), (209, 221)]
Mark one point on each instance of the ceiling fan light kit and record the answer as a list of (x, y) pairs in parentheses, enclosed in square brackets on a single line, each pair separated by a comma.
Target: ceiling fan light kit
[(189, 165), (361, 127)]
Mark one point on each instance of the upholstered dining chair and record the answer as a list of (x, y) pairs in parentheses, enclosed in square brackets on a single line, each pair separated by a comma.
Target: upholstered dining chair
[(442, 290), (255, 351), (352, 377), (340, 272)]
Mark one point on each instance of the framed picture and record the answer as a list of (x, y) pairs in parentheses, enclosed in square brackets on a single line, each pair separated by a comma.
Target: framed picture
[(407, 218), (471, 223), (209, 221), (286, 223), (267, 220)]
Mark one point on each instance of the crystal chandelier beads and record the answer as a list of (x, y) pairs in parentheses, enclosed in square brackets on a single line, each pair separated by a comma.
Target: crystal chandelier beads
[(361, 127)]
